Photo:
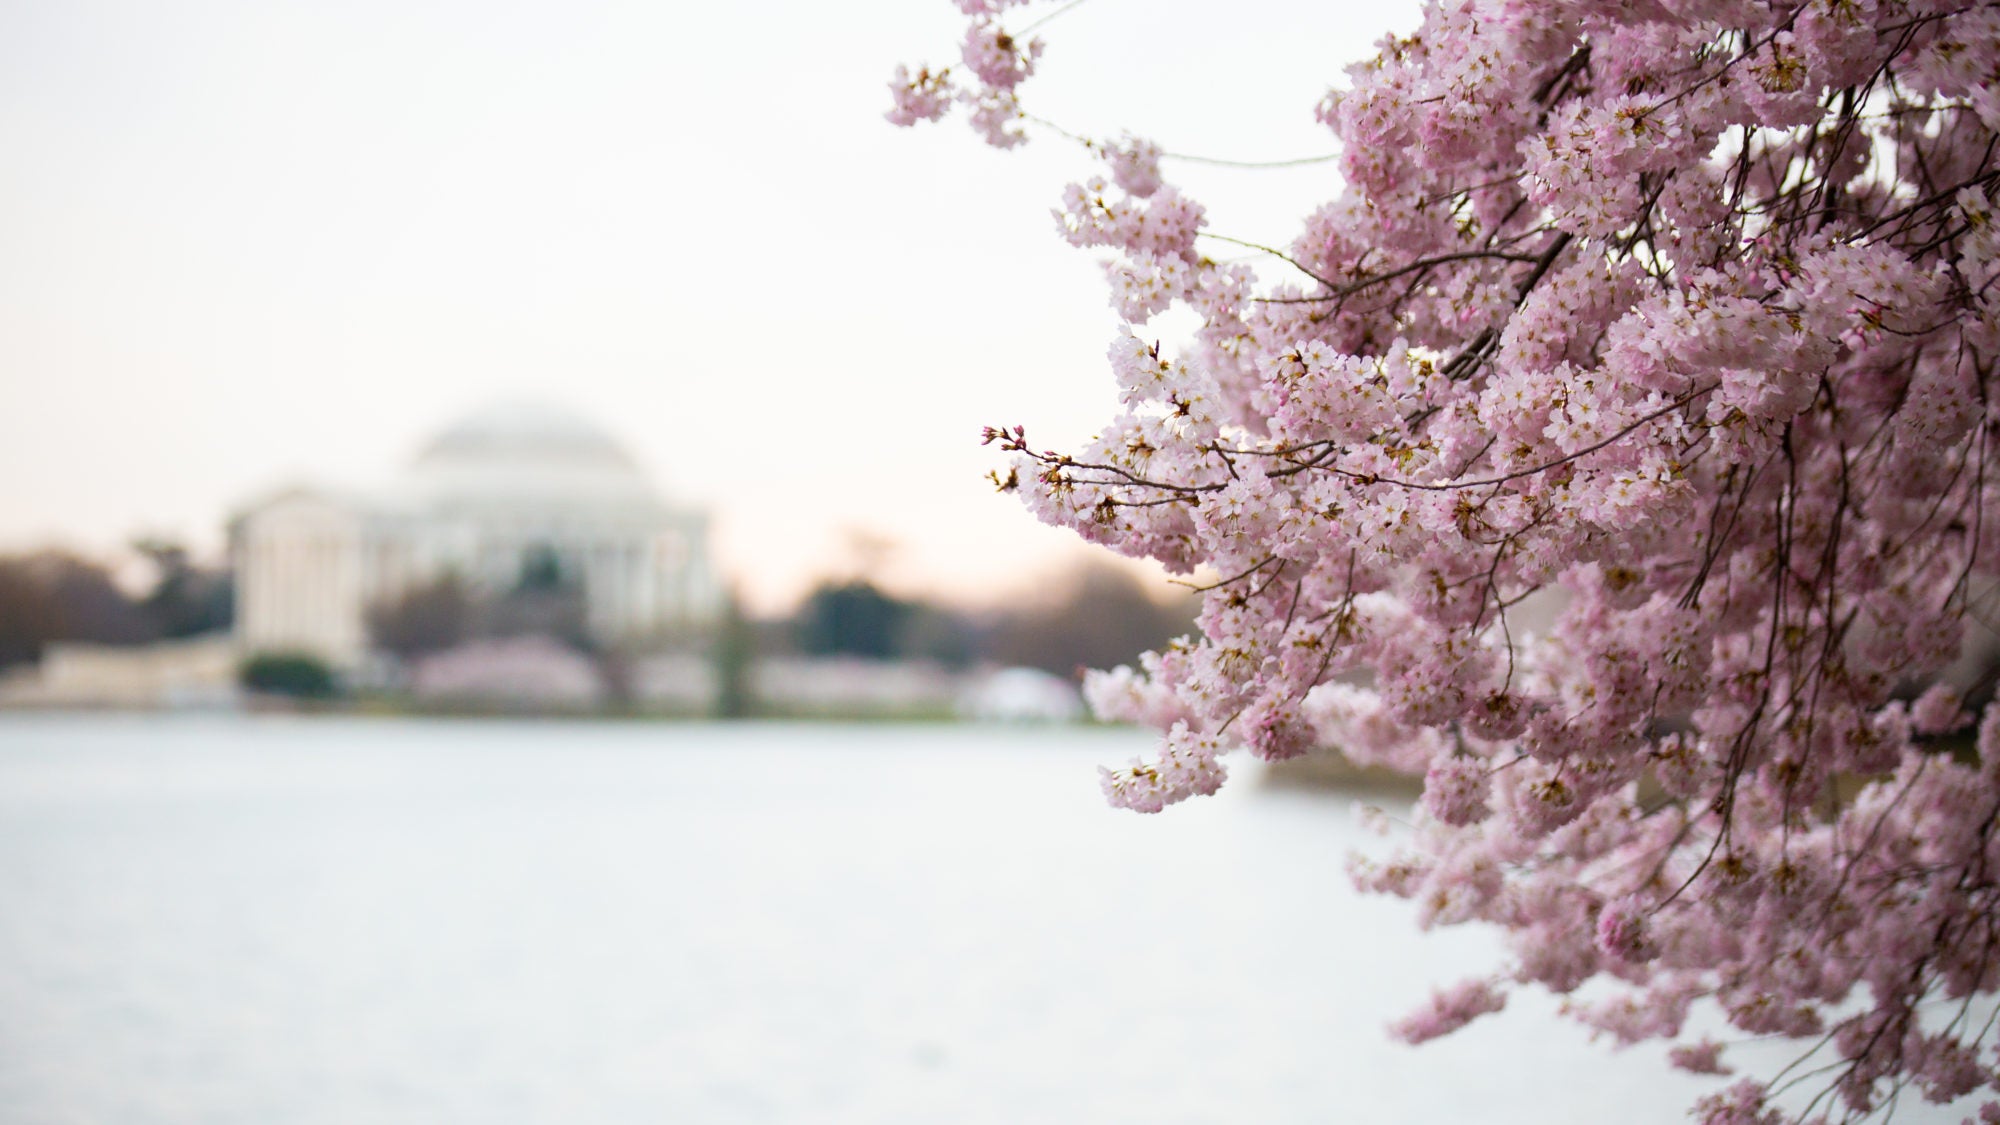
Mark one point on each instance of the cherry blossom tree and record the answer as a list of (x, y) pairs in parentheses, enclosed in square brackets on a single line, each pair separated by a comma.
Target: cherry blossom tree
[(1677, 316)]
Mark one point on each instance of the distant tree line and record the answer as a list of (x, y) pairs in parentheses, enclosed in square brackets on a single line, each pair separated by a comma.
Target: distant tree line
[(1096, 617), (50, 595)]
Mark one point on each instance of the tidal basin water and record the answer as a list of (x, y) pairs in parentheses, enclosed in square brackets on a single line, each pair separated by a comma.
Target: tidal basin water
[(276, 920)]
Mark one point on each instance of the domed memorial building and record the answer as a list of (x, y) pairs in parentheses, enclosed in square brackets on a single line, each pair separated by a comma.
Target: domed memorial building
[(513, 497)]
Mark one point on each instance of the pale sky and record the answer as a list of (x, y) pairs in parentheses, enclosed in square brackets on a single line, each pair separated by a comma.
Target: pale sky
[(245, 243)]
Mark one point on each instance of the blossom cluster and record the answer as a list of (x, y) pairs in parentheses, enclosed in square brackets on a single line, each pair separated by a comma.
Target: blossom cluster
[(1612, 452), (997, 60)]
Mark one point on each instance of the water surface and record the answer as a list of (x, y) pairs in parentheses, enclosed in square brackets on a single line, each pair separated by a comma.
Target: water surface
[(275, 920)]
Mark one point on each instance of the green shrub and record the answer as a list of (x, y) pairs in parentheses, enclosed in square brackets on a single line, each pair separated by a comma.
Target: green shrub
[(294, 674)]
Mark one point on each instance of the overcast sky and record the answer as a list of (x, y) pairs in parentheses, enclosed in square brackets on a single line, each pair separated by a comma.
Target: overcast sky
[(250, 242)]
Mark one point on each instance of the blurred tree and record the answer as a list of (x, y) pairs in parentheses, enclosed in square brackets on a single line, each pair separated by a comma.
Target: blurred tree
[(1101, 617), (542, 569), (734, 651), (28, 620), (932, 632), (54, 596), (425, 619), (546, 601), (186, 600), (852, 619)]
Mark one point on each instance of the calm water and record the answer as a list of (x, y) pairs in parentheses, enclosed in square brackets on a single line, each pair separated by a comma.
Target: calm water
[(274, 921)]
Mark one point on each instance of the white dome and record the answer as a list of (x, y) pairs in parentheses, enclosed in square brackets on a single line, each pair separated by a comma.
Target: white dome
[(526, 453)]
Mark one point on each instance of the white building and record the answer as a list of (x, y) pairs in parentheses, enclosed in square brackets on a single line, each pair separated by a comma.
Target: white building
[(507, 493)]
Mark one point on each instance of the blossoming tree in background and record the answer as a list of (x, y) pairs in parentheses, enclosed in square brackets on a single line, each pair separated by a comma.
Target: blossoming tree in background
[(1687, 311)]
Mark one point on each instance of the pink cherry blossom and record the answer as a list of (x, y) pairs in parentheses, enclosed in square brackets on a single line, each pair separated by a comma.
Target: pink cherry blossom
[(1617, 449), (1450, 1009)]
